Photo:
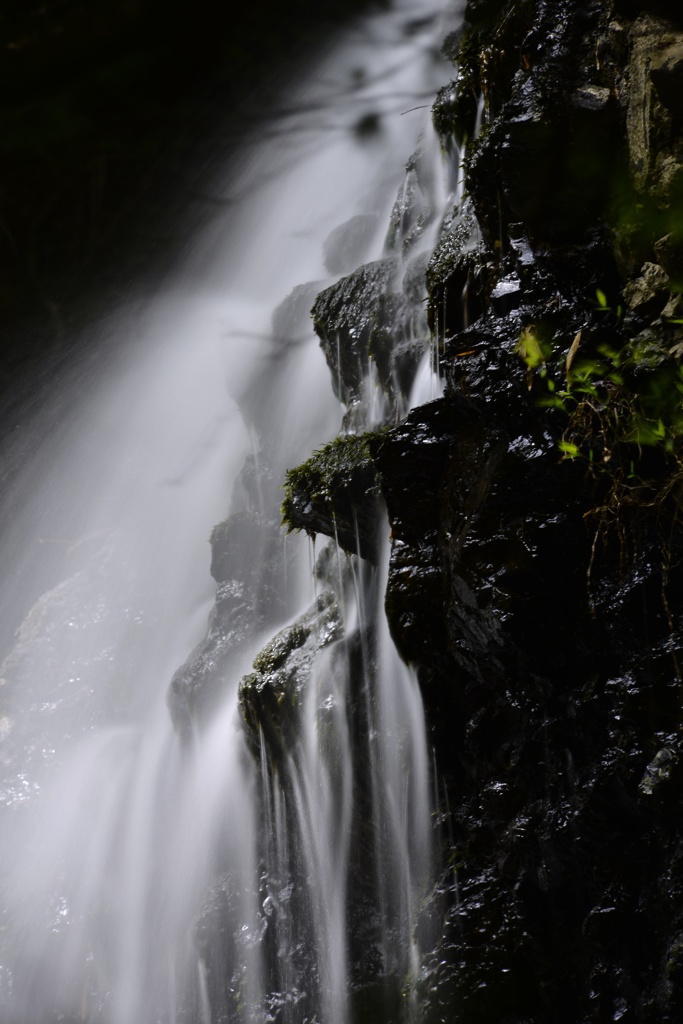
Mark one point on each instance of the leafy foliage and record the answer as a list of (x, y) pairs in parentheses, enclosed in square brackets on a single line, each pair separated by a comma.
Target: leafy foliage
[(614, 404)]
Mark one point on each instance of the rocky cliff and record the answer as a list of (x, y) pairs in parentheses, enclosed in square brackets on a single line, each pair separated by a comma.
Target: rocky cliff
[(552, 673), (535, 572)]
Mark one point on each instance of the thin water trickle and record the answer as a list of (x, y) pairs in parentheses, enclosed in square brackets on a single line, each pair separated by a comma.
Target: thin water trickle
[(120, 843)]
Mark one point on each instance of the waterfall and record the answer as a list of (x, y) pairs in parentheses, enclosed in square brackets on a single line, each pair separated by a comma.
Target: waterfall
[(181, 871)]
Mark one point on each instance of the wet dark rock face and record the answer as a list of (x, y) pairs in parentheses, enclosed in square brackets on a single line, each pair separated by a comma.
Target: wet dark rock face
[(535, 577), (272, 694), (535, 572), (367, 327), (539, 596), (350, 319)]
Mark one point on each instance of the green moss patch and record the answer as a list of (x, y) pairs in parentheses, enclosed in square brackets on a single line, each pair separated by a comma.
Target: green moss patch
[(336, 493)]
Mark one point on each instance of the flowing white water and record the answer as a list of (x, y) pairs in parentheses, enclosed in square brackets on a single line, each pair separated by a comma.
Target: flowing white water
[(112, 832)]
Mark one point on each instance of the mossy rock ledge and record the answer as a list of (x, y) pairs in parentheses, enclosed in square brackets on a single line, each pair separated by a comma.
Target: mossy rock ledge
[(336, 493), (271, 696)]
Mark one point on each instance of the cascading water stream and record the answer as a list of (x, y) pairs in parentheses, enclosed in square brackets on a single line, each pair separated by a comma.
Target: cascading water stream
[(121, 841)]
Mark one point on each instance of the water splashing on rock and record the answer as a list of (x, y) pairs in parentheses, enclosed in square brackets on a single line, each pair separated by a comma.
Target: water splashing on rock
[(260, 852)]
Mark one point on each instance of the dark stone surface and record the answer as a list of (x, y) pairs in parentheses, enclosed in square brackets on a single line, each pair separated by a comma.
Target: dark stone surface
[(272, 694), (360, 321), (536, 569), (539, 596)]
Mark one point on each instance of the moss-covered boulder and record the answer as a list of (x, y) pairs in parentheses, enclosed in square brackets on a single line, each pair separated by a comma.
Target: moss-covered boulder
[(336, 493), (271, 696)]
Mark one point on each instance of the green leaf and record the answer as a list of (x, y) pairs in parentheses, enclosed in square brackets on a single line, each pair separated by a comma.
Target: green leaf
[(552, 402), (610, 353), (568, 449), (529, 348)]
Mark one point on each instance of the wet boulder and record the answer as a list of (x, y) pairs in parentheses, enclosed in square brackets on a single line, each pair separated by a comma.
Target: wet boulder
[(458, 277), (336, 493), (345, 316), (271, 696), (357, 320), (410, 460)]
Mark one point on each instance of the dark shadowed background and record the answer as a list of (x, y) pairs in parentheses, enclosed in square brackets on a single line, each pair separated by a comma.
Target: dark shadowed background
[(104, 106)]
